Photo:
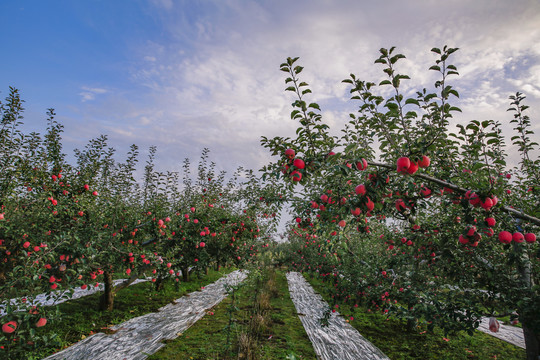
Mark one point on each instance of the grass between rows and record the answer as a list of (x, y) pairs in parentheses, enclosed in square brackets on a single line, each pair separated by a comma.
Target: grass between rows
[(265, 325), (391, 336), (82, 317)]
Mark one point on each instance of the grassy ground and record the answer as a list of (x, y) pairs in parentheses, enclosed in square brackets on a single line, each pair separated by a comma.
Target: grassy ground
[(265, 326), (392, 337), (82, 317)]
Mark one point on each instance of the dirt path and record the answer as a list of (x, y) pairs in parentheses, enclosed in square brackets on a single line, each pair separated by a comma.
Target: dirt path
[(142, 336), (338, 340)]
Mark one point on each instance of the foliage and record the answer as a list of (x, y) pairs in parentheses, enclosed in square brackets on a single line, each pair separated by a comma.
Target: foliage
[(411, 229)]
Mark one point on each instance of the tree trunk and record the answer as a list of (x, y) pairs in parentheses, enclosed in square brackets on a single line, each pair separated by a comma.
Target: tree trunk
[(206, 270), (185, 274), (107, 298), (532, 343), (532, 339), (160, 281)]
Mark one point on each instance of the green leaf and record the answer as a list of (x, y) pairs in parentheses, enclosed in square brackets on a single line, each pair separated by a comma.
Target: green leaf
[(395, 58), (412, 101), (392, 106), (436, 50), (385, 82)]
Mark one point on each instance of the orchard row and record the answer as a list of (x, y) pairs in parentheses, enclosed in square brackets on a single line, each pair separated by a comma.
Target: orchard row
[(406, 217), (65, 226)]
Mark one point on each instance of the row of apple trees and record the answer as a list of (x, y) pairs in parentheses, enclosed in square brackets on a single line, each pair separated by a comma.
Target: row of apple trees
[(407, 216), (65, 226)]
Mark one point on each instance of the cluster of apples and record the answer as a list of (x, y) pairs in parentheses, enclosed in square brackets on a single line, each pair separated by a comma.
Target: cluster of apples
[(506, 237), (298, 164), (406, 166), (361, 191), (11, 326), (475, 200)]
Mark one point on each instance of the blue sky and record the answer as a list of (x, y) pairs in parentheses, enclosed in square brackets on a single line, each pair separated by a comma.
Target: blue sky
[(184, 75)]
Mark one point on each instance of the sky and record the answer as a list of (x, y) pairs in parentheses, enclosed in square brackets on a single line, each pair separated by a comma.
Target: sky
[(188, 75)]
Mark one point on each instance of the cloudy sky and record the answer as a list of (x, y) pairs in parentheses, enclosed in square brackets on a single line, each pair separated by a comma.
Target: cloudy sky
[(185, 75)]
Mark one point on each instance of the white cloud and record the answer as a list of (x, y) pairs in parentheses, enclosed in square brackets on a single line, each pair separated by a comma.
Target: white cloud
[(165, 4), (215, 82), (90, 93)]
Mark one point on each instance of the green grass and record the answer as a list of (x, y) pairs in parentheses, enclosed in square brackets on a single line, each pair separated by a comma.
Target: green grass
[(206, 339), (82, 318), (392, 337)]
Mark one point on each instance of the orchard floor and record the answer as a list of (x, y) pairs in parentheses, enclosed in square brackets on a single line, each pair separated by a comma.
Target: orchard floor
[(141, 336), (293, 329), (334, 339), (59, 297)]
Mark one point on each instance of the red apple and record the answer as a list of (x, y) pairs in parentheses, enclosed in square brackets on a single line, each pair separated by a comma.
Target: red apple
[(299, 163), (403, 164), (487, 203), (474, 199), (9, 327), (424, 162), (413, 167), (289, 154), (505, 237), (518, 237), (296, 176), (41, 322), (530, 238), (426, 192), (360, 190), (362, 164), (493, 324), (400, 205), (490, 222), (356, 211), (370, 205)]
